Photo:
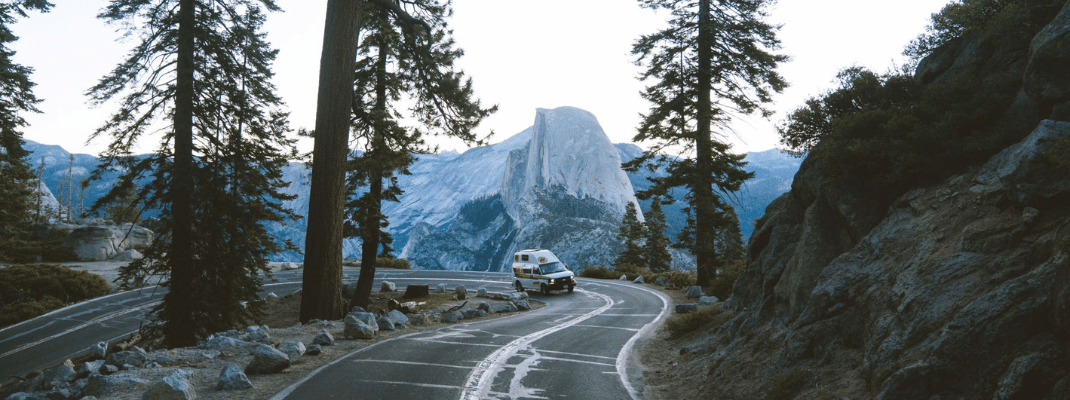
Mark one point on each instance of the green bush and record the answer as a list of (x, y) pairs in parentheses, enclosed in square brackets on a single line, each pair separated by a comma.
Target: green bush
[(682, 324), (29, 290), (599, 272), (633, 271), (680, 279), (392, 263)]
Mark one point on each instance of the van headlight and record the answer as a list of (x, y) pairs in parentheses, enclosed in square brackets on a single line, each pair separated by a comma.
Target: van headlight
[(551, 281)]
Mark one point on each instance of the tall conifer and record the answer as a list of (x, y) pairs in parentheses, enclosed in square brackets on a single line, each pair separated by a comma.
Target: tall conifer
[(656, 249), (715, 61), (631, 233), (17, 180), (201, 76)]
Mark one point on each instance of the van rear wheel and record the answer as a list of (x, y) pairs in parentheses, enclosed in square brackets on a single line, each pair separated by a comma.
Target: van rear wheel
[(519, 286), (570, 287), (545, 289)]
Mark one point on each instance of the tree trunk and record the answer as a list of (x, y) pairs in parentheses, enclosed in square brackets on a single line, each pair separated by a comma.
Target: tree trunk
[(179, 329), (322, 285), (370, 233), (703, 188)]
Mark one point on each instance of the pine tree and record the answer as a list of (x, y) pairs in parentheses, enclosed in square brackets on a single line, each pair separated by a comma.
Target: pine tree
[(631, 234), (657, 257), (406, 55), (713, 62), (322, 276), (204, 69), (16, 97)]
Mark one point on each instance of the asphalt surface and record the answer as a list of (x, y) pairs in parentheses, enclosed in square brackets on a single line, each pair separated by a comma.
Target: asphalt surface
[(576, 347)]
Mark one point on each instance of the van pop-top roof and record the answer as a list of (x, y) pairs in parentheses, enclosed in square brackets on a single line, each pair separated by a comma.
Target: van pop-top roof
[(533, 256)]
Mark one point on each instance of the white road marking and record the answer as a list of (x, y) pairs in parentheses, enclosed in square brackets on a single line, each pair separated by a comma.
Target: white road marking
[(75, 328), (482, 377), (413, 363)]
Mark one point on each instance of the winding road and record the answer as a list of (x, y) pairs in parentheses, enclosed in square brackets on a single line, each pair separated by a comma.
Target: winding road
[(578, 346)]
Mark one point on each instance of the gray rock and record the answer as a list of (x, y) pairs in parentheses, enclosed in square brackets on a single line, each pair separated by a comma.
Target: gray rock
[(517, 296), (440, 288), (461, 292), (232, 378), (59, 375), (481, 292), (358, 309), (639, 279), (694, 292), (451, 317), (267, 360), (507, 307), (470, 313), (708, 300), (100, 385), (522, 305), (661, 281), (385, 323), (623, 277), (387, 286), (98, 351), (294, 349), (314, 350), (289, 266), (260, 334), (323, 338), (686, 308), (128, 255), (218, 342), (136, 356), (483, 306), (101, 243), (1044, 80), (398, 317), (418, 319), (108, 369), (88, 368), (357, 328), (174, 386)]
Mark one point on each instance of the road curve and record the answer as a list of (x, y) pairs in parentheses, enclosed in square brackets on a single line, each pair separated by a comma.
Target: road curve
[(576, 347)]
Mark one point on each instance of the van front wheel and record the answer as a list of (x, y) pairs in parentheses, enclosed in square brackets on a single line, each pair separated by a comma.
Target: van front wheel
[(570, 287), (545, 289), (519, 286)]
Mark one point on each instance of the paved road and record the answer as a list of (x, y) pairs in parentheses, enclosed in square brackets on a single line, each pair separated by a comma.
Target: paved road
[(575, 347)]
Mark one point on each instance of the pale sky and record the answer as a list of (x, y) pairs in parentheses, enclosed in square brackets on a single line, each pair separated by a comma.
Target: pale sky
[(521, 55)]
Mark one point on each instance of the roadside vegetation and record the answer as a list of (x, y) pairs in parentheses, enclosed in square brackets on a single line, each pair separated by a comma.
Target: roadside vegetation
[(30, 290)]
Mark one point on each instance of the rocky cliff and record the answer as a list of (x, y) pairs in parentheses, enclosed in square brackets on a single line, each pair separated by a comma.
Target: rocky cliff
[(957, 290)]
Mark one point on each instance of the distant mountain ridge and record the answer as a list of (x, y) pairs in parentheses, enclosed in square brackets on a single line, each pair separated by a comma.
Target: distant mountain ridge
[(484, 192)]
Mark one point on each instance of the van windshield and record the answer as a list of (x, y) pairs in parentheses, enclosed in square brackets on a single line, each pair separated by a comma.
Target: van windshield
[(549, 268)]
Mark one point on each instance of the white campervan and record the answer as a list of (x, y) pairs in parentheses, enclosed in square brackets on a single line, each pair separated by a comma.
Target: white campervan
[(541, 269)]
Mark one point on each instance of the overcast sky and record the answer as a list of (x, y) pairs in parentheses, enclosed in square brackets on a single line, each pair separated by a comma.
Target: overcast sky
[(521, 55)]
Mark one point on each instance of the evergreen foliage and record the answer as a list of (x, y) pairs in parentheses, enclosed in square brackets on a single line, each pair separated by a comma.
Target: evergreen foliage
[(715, 61), (631, 234), (30, 290), (1016, 19), (657, 255), (204, 69), (405, 56), (17, 181)]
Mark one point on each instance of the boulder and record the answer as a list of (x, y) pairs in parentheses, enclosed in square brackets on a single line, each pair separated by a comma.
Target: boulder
[(483, 306), (323, 338), (289, 266), (128, 255), (481, 292), (88, 368), (267, 360), (358, 328), (522, 305), (507, 307), (639, 279), (662, 281), (686, 308), (136, 357), (694, 292), (294, 349), (100, 385), (385, 323), (260, 334), (460, 292), (707, 300), (98, 351), (399, 318), (175, 386), (314, 350), (232, 378), (623, 277), (517, 296), (440, 288), (59, 375), (387, 286), (451, 317), (219, 342), (418, 319), (101, 243)]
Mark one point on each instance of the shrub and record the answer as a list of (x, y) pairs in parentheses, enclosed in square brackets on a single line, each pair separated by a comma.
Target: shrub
[(633, 271), (721, 284), (680, 279), (682, 324), (392, 263), (29, 290), (599, 272)]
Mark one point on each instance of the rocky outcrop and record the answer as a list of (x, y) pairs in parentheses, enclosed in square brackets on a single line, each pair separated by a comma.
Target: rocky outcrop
[(958, 290), (102, 242)]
